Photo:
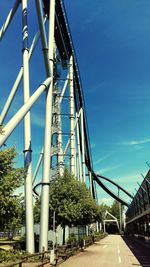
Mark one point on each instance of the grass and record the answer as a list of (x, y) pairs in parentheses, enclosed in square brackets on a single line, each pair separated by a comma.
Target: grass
[(3, 242), (7, 256), (7, 244), (6, 247), (16, 238)]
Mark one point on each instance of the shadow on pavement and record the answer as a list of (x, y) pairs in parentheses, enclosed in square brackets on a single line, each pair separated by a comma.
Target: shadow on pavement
[(140, 251)]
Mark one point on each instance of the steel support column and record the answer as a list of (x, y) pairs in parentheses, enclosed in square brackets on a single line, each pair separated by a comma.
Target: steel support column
[(27, 136), (37, 167), (18, 80), (60, 144), (44, 221), (83, 147), (90, 182), (9, 18), (79, 153), (14, 121), (72, 135)]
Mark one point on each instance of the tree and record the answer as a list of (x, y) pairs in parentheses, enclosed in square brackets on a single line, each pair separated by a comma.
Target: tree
[(114, 210), (103, 207), (71, 201), (10, 179)]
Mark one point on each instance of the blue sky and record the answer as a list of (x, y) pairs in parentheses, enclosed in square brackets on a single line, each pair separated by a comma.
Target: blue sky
[(112, 41)]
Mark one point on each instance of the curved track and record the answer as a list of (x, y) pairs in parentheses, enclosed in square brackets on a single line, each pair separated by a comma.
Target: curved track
[(97, 177), (65, 46), (104, 187), (112, 182)]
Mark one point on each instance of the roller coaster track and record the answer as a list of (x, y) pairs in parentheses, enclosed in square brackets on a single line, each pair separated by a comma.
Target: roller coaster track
[(61, 54), (98, 178), (65, 46)]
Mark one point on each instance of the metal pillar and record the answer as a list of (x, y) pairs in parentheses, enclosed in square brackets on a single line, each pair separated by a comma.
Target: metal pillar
[(18, 80), (83, 147), (90, 178), (79, 150), (9, 18), (37, 167), (61, 154), (47, 139), (72, 135), (104, 225), (72, 82), (14, 121), (97, 227), (27, 136), (43, 36), (120, 211), (60, 149)]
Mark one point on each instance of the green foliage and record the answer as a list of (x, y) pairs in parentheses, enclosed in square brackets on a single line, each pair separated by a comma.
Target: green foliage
[(115, 209), (36, 210), (10, 179), (9, 256), (99, 235), (103, 207), (87, 239), (72, 239), (71, 202)]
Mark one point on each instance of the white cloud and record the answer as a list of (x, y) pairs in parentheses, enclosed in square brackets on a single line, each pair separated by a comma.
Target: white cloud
[(108, 201), (134, 142), (93, 145), (103, 158), (129, 179), (108, 169), (37, 120)]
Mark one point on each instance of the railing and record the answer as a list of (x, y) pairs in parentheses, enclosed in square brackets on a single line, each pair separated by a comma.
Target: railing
[(24, 259), (63, 252)]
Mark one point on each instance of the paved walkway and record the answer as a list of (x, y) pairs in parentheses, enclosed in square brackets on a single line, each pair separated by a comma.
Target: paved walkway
[(31, 264), (111, 251)]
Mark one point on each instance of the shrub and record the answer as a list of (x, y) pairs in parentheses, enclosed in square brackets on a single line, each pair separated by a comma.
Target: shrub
[(6, 256), (72, 240)]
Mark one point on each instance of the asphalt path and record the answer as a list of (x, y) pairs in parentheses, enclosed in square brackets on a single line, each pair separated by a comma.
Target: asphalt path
[(111, 251), (140, 249)]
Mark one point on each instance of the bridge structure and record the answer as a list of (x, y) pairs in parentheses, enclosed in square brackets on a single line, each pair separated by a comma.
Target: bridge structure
[(66, 137), (107, 220), (138, 213)]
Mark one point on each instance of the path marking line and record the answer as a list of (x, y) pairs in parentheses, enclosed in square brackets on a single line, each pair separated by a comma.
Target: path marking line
[(119, 259)]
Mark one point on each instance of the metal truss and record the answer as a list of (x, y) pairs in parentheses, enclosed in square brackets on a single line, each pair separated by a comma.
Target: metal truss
[(139, 210), (113, 219), (98, 178), (138, 213), (66, 140)]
